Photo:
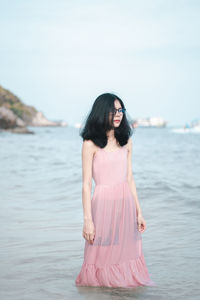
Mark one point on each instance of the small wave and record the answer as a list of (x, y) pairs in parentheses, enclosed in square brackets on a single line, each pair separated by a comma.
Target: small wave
[(186, 130)]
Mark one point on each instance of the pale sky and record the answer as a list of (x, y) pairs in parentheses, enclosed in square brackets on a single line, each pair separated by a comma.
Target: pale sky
[(60, 55)]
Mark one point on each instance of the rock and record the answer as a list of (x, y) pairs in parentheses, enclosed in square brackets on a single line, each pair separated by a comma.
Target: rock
[(18, 130), (40, 120), (27, 115), (10, 122)]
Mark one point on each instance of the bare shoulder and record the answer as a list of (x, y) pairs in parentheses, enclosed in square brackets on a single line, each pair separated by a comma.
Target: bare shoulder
[(88, 143), (129, 144), (88, 146)]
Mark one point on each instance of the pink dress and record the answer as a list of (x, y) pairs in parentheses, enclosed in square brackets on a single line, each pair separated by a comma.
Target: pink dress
[(115, 259)]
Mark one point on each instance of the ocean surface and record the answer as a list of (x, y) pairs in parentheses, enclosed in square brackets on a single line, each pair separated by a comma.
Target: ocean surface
[(41, 218)]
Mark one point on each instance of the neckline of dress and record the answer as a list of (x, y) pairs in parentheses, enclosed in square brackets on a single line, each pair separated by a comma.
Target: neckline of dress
[(112, 150), (102, 149)]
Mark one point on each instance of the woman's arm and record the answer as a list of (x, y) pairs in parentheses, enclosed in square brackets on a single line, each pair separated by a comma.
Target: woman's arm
[(87, 157), (131, 180), (140, 220)]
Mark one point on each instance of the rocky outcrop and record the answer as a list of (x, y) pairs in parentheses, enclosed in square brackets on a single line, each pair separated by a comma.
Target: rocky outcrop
[(40, 120), (9, 121), (15, 115)]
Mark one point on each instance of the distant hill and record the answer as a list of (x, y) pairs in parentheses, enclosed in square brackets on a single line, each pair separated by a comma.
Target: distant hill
[(12, 102), (14, 113)]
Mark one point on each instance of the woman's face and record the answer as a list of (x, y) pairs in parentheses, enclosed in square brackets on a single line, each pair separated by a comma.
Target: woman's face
[(118, 116)]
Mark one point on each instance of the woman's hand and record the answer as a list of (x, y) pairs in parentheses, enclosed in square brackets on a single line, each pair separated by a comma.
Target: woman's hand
[(89, 231), (141, 223)]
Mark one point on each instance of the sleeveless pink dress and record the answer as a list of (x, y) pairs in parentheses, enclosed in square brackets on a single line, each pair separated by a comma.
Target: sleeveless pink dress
[(115, 259)]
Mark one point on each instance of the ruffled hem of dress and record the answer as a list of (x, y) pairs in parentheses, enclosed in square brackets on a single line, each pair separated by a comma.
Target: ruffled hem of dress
[(128, 274)]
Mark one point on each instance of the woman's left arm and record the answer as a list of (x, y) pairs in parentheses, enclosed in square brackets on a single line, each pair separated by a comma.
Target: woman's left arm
[(131, 181)]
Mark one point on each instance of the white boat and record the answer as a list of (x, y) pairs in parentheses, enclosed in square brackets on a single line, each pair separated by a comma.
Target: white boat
[(150, 122)]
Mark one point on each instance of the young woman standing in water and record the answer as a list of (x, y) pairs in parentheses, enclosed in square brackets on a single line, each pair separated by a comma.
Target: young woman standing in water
[(113, 220)]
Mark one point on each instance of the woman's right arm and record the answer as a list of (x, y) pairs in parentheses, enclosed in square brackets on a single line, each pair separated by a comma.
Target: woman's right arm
[(87, 158)]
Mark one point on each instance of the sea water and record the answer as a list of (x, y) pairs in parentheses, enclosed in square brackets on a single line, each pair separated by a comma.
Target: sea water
[(41, 217)]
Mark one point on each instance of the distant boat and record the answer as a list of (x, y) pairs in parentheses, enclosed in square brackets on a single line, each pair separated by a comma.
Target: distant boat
[(149, 122), (194, 126)]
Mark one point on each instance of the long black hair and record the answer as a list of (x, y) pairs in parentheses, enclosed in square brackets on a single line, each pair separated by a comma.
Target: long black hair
[(97, 122)]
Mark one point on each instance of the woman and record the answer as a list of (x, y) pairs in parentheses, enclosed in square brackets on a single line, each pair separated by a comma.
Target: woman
[(113, 220)]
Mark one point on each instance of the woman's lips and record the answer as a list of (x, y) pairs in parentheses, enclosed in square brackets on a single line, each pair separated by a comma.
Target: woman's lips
[(117, 121)]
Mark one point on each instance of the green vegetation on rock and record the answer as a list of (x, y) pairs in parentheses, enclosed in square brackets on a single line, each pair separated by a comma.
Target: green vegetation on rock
[(12, 102)]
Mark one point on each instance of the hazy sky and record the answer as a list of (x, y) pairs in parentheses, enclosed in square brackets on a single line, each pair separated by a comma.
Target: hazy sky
[(59, 55)]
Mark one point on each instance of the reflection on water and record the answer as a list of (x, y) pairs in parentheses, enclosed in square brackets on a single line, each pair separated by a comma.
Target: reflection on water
[(41, 244)]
